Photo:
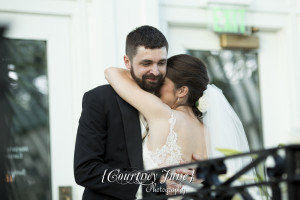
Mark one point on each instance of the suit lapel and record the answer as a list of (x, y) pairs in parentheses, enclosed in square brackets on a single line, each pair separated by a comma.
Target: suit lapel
[(132, 132)]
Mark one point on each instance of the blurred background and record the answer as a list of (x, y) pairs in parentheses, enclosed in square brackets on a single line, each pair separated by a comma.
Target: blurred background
[(55, 50)]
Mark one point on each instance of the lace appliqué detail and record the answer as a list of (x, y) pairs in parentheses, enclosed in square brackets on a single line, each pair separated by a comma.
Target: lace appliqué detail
[(170, 153)]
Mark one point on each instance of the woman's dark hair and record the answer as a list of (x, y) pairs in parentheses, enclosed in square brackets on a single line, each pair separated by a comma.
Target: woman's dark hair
[(186, 70)]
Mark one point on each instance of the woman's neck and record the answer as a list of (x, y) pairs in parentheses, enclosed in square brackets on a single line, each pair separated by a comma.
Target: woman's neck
[(186, 109)]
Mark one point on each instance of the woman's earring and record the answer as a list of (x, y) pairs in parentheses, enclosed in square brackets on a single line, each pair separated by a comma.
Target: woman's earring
[(176, 102)]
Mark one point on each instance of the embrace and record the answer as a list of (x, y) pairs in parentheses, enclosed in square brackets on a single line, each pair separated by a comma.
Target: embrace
[(158, 112)]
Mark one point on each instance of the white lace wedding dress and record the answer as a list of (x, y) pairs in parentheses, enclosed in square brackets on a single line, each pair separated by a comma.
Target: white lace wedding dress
[(169, 154)]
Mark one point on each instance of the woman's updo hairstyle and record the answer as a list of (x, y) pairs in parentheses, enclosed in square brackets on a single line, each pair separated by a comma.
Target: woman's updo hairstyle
[(186, 70)]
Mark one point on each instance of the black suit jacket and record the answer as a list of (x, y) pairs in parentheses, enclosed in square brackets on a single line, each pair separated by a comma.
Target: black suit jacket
[(108, 137)]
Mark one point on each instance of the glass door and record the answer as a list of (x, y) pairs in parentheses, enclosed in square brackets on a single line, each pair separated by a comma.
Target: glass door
[(236, 73), (28, 173), (37, 65)]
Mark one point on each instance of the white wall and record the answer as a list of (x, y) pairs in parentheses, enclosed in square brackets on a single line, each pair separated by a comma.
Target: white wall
[(96, 31)]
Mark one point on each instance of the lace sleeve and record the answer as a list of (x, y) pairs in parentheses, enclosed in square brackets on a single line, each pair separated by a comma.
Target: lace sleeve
[(169, 153)]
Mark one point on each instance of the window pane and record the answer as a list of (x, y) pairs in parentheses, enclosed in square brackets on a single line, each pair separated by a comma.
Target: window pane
[(236, 73), (27, 118)]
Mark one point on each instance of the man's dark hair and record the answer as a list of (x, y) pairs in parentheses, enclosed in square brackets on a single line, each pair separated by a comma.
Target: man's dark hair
[(146, 36)]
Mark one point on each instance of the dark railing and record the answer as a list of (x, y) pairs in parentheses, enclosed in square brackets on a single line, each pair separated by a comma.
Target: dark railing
[(284, 171)]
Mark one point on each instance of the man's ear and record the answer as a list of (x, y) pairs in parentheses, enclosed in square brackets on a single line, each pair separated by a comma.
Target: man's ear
[(127, 62), (183, 91)]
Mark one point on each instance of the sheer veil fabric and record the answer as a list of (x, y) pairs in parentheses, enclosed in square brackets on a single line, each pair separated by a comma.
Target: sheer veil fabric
[(223, 129)]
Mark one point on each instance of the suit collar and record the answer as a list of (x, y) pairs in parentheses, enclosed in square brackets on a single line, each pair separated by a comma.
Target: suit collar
[(132, 130)]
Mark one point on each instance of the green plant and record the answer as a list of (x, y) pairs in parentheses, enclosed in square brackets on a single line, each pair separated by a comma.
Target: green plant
[(259, 173)]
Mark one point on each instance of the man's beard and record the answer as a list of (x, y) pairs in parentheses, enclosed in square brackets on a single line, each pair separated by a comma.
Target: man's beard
[(148, 86)]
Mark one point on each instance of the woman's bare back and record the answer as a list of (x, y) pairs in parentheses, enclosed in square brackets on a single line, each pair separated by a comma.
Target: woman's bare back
[(174, 140)]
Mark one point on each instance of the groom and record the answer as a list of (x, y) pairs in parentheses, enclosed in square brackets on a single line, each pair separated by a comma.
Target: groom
[(109, 134)]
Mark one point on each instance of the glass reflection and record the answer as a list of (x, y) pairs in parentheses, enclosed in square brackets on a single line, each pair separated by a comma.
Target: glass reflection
[(236, 73), (28, 175)]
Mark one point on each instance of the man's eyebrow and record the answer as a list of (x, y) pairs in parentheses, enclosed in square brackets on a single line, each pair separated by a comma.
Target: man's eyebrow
[(151, 61), (146, 61)]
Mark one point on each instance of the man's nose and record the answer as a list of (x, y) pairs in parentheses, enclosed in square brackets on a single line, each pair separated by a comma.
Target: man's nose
[(154, 70)]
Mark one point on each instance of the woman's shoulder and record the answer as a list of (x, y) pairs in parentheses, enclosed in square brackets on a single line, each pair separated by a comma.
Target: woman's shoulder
[(164, 114), (185, 117), (185, 124)]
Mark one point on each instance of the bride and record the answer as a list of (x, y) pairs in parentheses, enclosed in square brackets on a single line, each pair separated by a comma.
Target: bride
[(187, 116)]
